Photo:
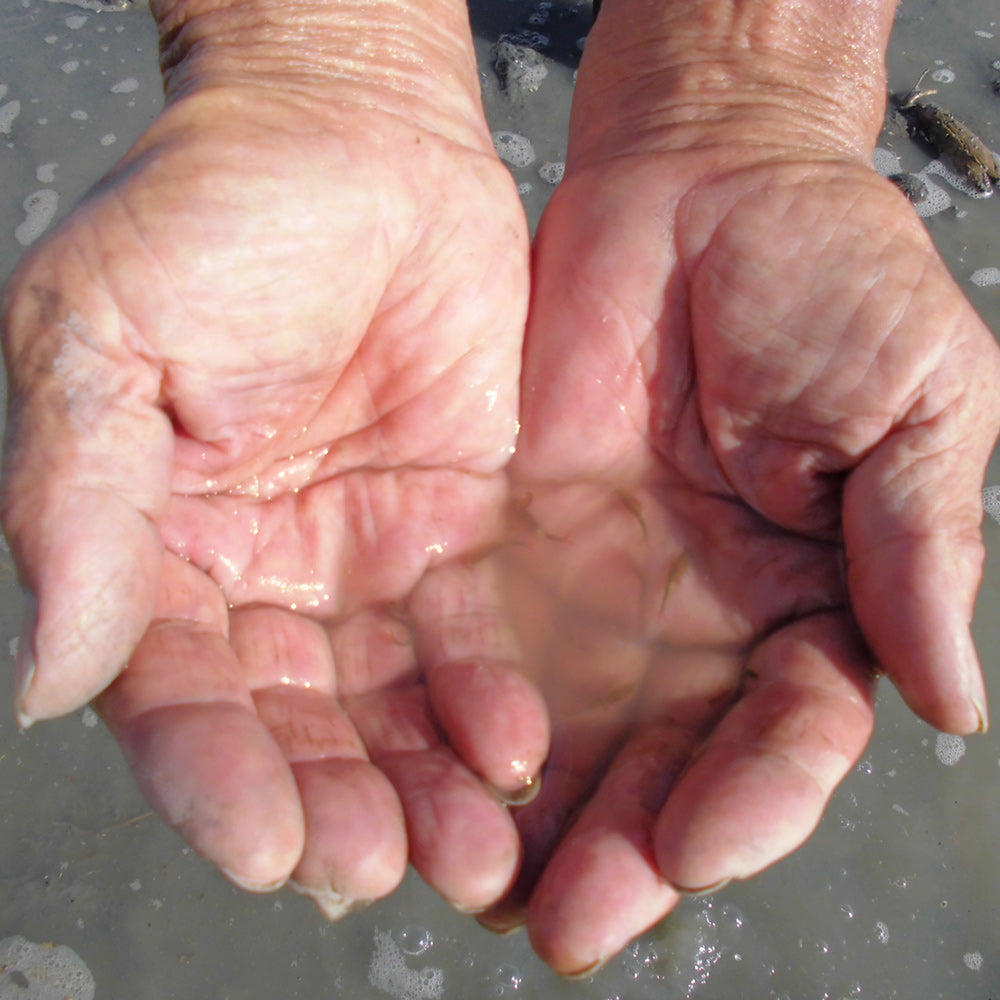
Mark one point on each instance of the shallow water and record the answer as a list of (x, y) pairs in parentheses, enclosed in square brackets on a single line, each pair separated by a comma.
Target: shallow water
[(897, 895)]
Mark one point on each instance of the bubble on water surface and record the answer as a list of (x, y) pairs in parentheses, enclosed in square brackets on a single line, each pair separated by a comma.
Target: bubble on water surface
[(515, 150), (973, 960), (986, 277), (882, 931), (76, 21), (949, 749), (552, 173), (958, 181), (943, 75), (991, 502), (506, 979), (40, 207), (30, 971), (936, 200), (413, 940), (389, 973), (8, 112), (125, 86), (885, 161)]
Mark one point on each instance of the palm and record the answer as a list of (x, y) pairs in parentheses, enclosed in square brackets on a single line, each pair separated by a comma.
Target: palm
[(294, 364), (714, 425)]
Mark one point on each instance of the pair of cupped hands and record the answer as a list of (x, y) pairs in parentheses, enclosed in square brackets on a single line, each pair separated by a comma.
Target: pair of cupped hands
[(266, 384)]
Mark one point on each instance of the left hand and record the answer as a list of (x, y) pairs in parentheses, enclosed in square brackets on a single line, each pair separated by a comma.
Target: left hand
[(756, 415)]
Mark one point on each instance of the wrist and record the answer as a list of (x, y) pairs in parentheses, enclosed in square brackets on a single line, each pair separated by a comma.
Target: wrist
[(413, 58), (682, 74)]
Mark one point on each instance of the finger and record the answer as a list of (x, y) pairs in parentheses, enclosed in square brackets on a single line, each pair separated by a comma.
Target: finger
[(494, 718), (759, 786), (461, 838), (592, 677), (602, 887), (912, 533), (355, 838), (189, 730), (86, 465)]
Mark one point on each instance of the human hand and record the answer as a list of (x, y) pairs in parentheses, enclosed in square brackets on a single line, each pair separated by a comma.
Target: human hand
[(263, 388), (756, 413)]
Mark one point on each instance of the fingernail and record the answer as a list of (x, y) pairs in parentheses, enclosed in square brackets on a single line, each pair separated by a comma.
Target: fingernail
[(499, 924), (706, 890), (24, 663), (978, 703), (250, 885), (589, 971)]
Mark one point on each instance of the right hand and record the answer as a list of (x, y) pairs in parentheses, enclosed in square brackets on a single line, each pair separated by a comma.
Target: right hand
[(263, 389)]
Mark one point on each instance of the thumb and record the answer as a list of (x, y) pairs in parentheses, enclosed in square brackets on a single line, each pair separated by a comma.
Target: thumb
[(86, 466), (913, 541)]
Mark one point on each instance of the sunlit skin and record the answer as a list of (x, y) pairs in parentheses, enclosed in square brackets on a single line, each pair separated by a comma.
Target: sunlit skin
[(264, 397), (264, 388), (756, 411)]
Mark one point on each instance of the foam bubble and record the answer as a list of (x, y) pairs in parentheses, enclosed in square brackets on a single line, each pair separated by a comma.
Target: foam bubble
[(76, 21), (515, 150), (39, 207), (973, 960), (943, 75), (885, 161), (389, 973), (46, 173), (125, 86), (991, 502), (986, 276), (7, 115), (552, 173), (506, 979), (42, 971), (70, 66), (936, 200), (955, 179), (413, 940), (882, 931), (949, 749)]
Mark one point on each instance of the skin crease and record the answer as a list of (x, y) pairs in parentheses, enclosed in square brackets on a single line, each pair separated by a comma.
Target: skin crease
[(756, 412), (264, 389)]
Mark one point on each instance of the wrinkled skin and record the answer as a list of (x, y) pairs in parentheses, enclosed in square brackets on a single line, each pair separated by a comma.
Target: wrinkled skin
[(264, 390), (756, 412), (264, 386)]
